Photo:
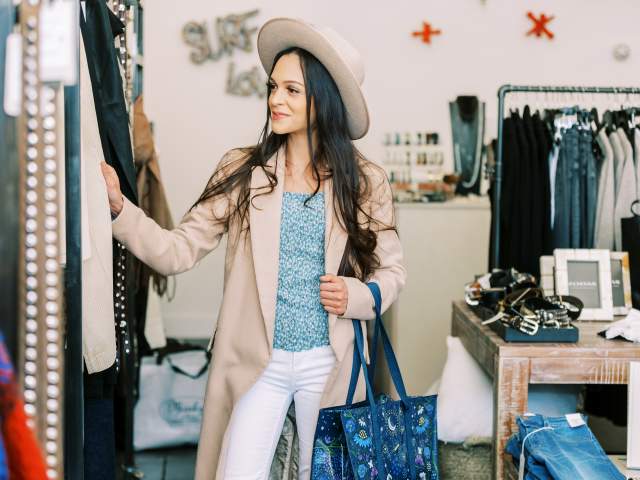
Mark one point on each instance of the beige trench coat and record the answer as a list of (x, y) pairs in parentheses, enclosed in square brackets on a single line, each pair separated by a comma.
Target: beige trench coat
[(244, 333)]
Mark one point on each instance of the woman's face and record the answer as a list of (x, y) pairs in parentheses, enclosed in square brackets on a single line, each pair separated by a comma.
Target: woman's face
[(287, 98)]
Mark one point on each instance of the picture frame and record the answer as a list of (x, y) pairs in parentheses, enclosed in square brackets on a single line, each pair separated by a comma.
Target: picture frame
[(586, 274), (620, 283), (620, 280)]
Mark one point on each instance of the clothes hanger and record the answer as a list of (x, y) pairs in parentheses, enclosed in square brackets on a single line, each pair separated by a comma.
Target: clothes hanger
[(586, 121), (634, 118), (593, 117), (622, 121), (608, 119)]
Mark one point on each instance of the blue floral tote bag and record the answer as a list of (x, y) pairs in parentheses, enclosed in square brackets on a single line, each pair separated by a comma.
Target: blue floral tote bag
[(378, 438)]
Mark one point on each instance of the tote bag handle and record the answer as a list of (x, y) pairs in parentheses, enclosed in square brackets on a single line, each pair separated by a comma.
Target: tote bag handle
[(359, 361)]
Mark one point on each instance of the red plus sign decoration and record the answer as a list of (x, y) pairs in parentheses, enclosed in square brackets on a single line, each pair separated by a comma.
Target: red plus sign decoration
[(540, 25), (427, 32)]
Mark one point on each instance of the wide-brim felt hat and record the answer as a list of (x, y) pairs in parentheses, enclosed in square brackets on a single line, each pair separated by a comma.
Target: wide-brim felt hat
[(338, 56)]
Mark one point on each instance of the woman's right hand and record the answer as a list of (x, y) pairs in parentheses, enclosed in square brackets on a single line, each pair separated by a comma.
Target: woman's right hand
[(116, 200)]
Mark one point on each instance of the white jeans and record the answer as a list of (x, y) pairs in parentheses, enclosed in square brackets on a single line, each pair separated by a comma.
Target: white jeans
[(257, 419)]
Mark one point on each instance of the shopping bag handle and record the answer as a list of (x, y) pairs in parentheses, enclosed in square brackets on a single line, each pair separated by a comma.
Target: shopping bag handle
[(359, 361), (373, 409), (396, 376), (192, 376)]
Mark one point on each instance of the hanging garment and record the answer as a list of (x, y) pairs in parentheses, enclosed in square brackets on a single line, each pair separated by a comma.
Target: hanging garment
[(23, 455), (99, 336), (153, 198), (153, 202), (534, 246), (627, 186), (524, 193), (99, 28), (618, 164), (564, 188), (467, 126), (589, 189), (99, 430), (543, 198), (492, 149), (575, 181), (618, 161), (604, 236), (154, 333), (99, 31), (509, 203), (629, 166), (553, 168)]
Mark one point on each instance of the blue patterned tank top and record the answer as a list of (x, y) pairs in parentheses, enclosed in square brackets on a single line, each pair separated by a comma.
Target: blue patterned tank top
[(301, 320)]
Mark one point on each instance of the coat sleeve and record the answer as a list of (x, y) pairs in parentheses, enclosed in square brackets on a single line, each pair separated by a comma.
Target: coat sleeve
[(391, 274), (174, 251)]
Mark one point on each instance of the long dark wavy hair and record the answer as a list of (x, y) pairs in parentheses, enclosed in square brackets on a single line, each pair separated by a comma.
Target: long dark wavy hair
[(334, 157)]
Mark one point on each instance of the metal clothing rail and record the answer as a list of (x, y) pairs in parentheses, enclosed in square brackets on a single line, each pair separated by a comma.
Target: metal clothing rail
[(494, 254)]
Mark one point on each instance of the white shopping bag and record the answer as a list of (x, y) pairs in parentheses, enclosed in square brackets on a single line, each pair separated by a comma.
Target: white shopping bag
[(169, 410)]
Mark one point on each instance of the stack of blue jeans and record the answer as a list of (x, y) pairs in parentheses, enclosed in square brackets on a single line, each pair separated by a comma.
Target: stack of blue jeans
[(555, 450)]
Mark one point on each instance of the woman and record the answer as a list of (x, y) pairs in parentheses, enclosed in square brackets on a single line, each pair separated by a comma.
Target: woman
[(288, 205)]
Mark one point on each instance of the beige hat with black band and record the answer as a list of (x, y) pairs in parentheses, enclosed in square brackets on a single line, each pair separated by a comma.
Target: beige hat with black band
[(343, 62)]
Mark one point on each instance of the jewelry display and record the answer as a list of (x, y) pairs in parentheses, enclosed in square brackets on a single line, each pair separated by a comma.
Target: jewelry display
[(415, 165)]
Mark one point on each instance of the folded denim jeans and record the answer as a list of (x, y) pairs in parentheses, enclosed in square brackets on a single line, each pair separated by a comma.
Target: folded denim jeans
[(555, 450)]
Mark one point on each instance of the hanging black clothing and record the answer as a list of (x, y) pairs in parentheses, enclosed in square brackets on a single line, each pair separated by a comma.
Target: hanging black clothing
[(522, 210), (99, 434), (509, 237), (544, 141), (99, 30), (533, 248), (525, 203)]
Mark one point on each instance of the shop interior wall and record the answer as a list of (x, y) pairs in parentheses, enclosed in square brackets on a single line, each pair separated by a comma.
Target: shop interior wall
[(408, 84)]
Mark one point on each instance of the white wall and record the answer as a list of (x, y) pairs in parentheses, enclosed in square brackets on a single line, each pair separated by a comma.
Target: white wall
[(408, 84)]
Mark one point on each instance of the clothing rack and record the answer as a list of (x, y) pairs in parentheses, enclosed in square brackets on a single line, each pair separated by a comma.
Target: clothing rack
[(494, 254), (53, 385)]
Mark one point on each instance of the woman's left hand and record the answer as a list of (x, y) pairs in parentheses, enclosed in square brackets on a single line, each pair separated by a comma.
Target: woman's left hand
[(333, 294)]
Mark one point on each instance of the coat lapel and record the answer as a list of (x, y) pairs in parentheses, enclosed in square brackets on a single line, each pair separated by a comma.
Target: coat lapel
[(264, 223)]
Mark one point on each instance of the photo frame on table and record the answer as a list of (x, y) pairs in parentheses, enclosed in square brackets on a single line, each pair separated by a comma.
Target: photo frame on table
[(586, 274), (620, 280)]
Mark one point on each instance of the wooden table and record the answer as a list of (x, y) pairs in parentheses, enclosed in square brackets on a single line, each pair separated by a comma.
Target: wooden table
[(513, 366)]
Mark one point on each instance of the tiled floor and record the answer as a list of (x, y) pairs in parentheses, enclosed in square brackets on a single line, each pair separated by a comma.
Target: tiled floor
[(172, 464)]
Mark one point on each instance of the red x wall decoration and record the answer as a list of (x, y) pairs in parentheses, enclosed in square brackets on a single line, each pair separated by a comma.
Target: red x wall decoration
[(427, 32), (540, 25)]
